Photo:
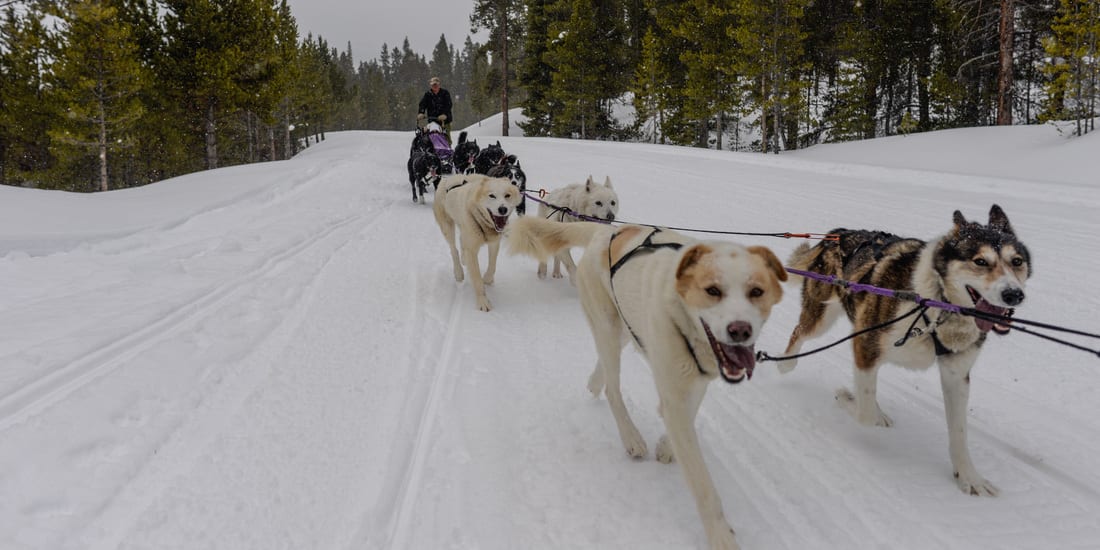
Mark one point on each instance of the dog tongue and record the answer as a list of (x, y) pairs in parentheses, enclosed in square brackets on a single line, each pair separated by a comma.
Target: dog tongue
[(986, 325), (735, 357), (500, 222)]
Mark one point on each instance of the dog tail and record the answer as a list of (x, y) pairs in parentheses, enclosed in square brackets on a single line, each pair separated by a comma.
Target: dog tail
[(541, 238), (803, 256)]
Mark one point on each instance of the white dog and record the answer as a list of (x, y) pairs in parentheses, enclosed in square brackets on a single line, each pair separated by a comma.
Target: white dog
[(587, 199), (479, 206), (693, 308)]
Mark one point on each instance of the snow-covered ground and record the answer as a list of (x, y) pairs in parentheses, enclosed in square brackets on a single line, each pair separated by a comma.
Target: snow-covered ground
[(277, 356)]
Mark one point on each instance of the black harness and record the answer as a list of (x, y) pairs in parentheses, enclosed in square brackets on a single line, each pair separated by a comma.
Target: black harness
[(647, 246)]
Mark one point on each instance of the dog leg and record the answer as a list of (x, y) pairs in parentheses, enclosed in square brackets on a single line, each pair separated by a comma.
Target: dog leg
[(490, 272), (815, 319), (557, 267), (542, 270), (678, 409), (955, 380), (469, 253), (595, 380), (570, 267), (448, 229), (607, 332), (863, 406)]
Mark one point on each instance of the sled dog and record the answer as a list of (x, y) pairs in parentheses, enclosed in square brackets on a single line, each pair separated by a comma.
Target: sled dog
[(983, 266), (587, 199), (479, 207), (465, 153), (510, 168), (424, 170), (692, 308)]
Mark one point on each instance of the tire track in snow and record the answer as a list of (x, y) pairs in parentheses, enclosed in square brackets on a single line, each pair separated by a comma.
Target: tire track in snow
[(400, 522), (53, 387)]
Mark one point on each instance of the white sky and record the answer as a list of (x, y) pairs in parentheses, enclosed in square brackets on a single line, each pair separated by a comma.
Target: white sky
[(367, 24)]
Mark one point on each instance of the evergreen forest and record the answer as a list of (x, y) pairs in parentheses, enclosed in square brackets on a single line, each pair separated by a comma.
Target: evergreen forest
[(109, 94)]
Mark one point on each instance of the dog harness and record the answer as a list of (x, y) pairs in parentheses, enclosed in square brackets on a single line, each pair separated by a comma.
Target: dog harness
[(941, 349), (646, 246)]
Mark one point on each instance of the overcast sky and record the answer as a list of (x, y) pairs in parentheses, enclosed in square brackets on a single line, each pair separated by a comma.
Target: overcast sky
[(368, 24)]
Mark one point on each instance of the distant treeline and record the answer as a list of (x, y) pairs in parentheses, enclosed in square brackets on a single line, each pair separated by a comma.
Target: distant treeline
[(106, 94), (103, 94)]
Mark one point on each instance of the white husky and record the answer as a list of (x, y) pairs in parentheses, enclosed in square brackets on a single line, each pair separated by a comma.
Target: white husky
[(693, 308), (587, 199), (479, 206)]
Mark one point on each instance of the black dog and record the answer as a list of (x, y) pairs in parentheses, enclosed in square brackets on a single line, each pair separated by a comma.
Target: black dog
[(509, 168), (421, 142), (489, 157), (424, 168), (465, 153)]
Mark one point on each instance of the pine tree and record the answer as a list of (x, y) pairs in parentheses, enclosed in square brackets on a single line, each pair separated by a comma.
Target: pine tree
[(1075, 70), (769, 44), (98, 77), (590, 69), (505, 23), (26, 108)]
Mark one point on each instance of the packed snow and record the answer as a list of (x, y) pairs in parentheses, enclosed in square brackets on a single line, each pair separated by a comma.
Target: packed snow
[(277, 356)]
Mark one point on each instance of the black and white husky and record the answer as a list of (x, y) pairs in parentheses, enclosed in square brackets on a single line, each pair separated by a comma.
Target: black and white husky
[(424, 169), (973, 265)]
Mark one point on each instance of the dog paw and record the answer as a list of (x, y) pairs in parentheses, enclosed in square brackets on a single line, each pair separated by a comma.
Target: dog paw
[(976, 485), (664, 451), (542, 272), (483, 304), (488, 279), (721, 537), (872, 417), (634, 444), (595, 383), (556, 275), (787, 366)]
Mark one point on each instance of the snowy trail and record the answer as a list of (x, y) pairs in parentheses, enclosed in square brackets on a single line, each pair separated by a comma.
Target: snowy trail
[(292, 365)]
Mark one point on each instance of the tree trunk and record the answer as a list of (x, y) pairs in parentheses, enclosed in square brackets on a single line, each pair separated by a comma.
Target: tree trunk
[(211, 139), (504, 71), (288, 144), (1004, 81), (102, 147)]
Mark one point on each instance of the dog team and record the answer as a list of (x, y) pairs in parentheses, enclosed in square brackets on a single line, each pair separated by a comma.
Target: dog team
[(694, 308)]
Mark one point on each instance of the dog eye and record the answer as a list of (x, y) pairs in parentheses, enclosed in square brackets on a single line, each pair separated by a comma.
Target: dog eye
[(492, 196), (714, 291), (981, 262), (1017, 261), (756, 292), (599, 203), (612, 203)]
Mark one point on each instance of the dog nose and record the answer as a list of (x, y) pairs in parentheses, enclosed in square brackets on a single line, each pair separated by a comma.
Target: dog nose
[(610, 216), (1013, 296), (739, 331), (503, 210)]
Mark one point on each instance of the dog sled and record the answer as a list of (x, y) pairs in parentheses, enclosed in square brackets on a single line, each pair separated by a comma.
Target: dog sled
[(440, 147)]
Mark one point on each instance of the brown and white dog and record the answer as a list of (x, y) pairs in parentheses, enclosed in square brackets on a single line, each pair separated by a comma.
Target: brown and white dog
[(479, 206), (693, 308), (983, 266)]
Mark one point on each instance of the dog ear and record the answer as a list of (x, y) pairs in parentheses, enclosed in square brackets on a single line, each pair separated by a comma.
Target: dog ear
[(607, 182), (998, 220), (960, 221), (691, 257), (770, 260), (588, 185)]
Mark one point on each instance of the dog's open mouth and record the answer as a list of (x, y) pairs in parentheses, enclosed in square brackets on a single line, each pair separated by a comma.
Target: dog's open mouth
[(985, 325), (498, 221), (735, 362)]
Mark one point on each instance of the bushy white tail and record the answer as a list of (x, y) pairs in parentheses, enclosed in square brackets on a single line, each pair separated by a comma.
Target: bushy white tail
[(540, 238)]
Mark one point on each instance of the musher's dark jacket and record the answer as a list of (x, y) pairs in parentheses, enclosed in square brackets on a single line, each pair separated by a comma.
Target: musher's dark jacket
[(436, 104)]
